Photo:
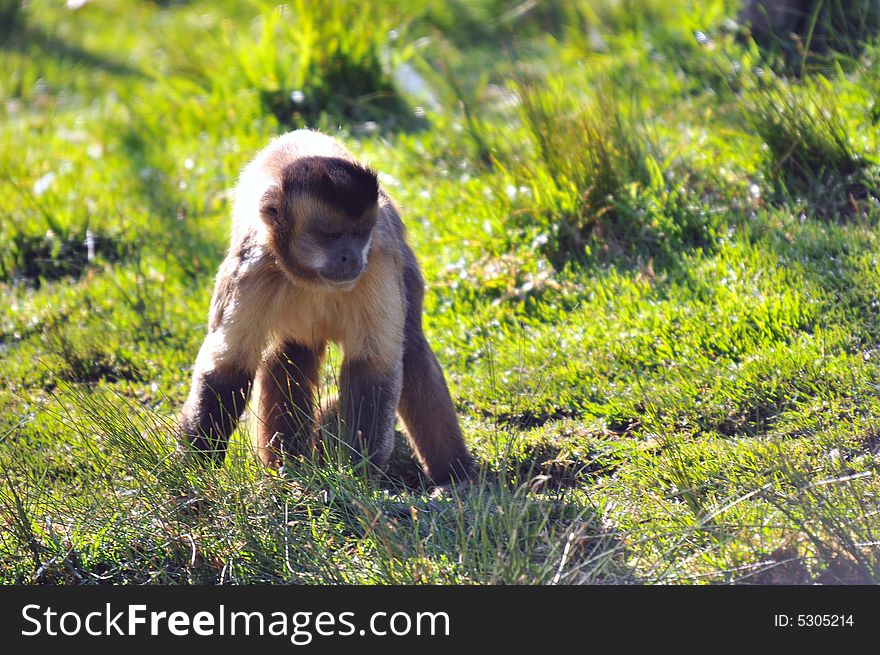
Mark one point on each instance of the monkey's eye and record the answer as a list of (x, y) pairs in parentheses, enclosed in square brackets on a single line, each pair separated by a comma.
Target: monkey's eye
[(361, 234), (270, 211), (331, 236)]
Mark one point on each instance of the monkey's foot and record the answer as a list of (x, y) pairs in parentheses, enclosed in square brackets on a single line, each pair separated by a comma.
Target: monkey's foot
[(441, 491)]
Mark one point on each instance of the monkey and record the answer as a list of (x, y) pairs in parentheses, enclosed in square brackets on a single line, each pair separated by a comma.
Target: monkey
[(814, 26), (771, 20), (318, 254)]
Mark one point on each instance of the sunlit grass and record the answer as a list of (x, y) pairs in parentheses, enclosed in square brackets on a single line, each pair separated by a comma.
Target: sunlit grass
[(651, 284)]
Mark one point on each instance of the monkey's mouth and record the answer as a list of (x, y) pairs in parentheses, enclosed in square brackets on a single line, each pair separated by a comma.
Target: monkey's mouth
[(341, 280)]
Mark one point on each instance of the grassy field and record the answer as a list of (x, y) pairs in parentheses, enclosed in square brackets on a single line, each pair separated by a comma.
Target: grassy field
[(651, 254)]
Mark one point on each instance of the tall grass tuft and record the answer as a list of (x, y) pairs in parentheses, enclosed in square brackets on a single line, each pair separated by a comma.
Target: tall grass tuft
[(301, 61), (813, 146), (598, 180)]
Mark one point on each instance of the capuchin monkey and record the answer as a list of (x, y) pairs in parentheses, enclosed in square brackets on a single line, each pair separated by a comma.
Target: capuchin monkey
[(318, 255)]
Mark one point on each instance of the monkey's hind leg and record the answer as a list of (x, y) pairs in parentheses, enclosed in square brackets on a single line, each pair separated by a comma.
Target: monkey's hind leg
[(425, 403), (429, 416), (287, 412)]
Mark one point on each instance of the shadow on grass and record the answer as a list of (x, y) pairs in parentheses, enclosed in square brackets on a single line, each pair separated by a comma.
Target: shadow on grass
[(18, 36), (174, 231)]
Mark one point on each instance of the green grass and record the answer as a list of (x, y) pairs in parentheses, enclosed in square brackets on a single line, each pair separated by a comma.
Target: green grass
[(652, 284)]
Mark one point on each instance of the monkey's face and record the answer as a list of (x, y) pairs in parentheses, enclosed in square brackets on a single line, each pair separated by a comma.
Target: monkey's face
[(336, 250), (322, 218)]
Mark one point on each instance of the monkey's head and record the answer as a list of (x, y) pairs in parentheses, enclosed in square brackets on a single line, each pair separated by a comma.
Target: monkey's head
[(321, 217)]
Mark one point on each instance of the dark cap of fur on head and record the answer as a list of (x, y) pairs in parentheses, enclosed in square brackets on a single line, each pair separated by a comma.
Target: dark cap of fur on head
[(339, 182)]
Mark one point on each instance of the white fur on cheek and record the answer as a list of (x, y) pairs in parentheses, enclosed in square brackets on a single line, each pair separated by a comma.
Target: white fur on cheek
[(366, 249), (312, 256)]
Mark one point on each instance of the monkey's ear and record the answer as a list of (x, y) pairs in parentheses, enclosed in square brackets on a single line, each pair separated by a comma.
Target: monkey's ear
[(270, 205)]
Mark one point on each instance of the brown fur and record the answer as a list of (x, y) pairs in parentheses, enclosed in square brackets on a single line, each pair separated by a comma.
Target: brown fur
[(212, 415), (287, 413), (776, 20), (425, 403), (305, 268)]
